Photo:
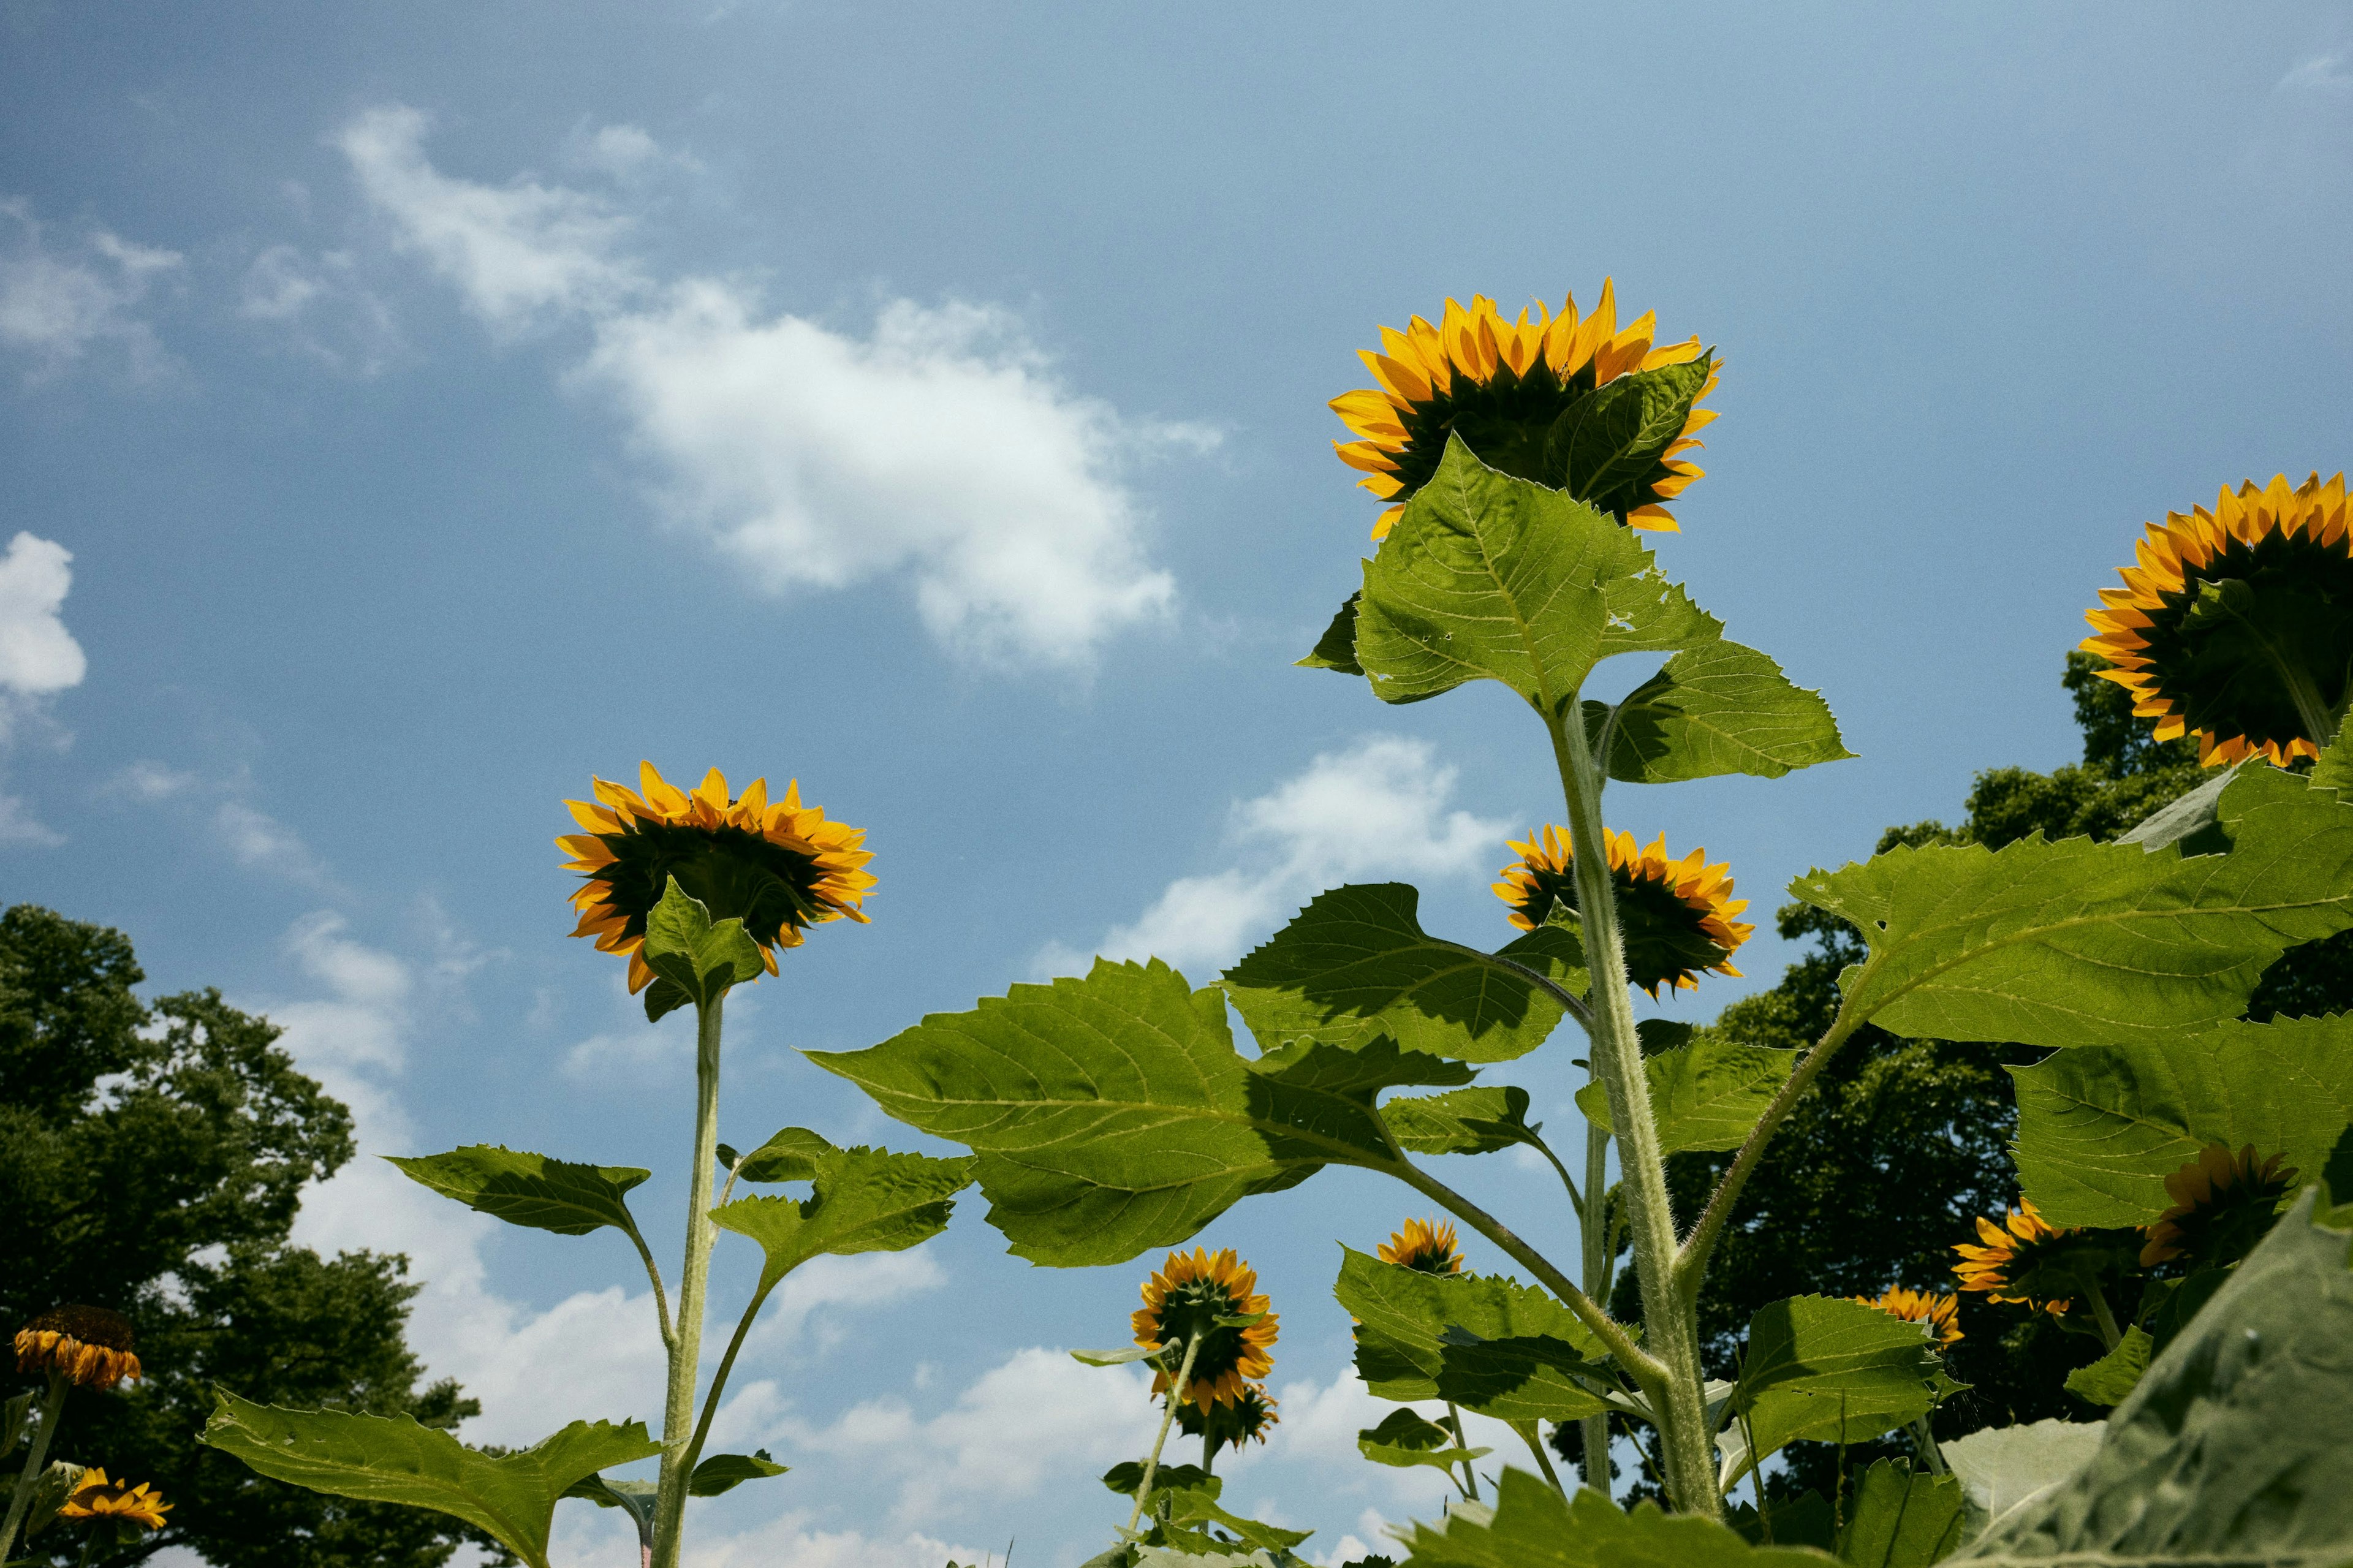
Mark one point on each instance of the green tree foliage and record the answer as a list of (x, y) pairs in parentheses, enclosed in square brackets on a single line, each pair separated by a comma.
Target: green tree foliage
[(1904, 1142), (152, 1159)]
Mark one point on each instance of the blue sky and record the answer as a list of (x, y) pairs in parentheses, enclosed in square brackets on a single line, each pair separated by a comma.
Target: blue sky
[(409, 412)]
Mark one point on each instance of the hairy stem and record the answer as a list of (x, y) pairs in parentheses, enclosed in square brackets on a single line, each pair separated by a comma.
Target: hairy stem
[(53, 1404), (1168, 1418), (1595, 1222), (686, 1350), (1671, 1330)]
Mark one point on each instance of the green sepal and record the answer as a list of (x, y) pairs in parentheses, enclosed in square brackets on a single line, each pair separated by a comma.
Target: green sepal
[(1716, 710), (1705, 1094), (2115, 1374), (1336, 649), (528, 1189), (1478, 1120), (694, 960), (864, 1200), (791, 1155), (1406, 1438), (1901, 1520), (1607, 448), (395, 1460), (1533, 1526), (1827, 1369), (1491, 1346), (720, 1473), (1356, 964)]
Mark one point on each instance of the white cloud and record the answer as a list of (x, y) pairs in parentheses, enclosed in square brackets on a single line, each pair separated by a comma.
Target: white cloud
[(260, 842), (937, 449), (2319, 73), (38, 658), (18, 825), (245, 833), (1377, 809), (598, 1539), (57, 306), (320, 303)]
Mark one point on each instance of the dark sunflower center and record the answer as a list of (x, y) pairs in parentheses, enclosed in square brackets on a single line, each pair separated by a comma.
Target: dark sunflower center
[(90, 1325), (737, 875), (1662, 933), (1430, 1259), (1197, 1304), (1504, 420), (2244, 626), (2071, 1264), (1546, 890), (2227, 1225)]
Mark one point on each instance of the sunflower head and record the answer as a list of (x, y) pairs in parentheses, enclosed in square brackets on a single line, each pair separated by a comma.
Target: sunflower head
[(1517, 391), (2235, 625), (95, 1497), (2222, 1204), (1675, 917), (2027, 1260), (780, 868), (1941, 1313), (1190, 1294), (86, 1345), (1230, 1426), (1426, 1246)]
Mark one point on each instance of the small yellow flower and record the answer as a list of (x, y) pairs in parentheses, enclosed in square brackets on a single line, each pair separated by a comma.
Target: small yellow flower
[(1673, 916), (2219, 602), (1231, 1425), (1941, 1313), (86, 1345), (1501, 385), (2216, 1193), (2007, 1255), (780, 869), (1424, 1245), (95, 1497), (1189, 1294)]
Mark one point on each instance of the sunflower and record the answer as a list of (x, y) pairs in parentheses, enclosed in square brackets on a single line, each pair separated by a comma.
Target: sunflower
[(88, 1345), (1501, 385), (1188, 1295), (1675, 916), (2222, 1204), (2237, 624), (2031, 1262), (780, 869), (1941, 1313), (1231, 1425), (1425, 1247), (95, 1497)]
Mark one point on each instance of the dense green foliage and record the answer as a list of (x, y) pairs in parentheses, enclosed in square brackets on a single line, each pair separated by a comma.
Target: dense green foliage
[(152, 1159)]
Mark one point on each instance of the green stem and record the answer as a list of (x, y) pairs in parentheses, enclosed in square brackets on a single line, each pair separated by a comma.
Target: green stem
[(1208, 1452), (1671, 1328), (1471, 1481), (2105, 1319), (53, 1404), (686, 1350), (1167, 1420), (1532, 1435), (1924, 1442), (1596, 1223)]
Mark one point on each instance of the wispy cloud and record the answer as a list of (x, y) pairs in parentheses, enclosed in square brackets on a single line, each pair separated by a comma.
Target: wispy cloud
[(60, 306), (2331, 72), (938, 448), (38, 658), (236, 826)]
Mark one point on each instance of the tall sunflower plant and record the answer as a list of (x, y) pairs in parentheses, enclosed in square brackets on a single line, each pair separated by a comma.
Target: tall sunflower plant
[(701, 891), (1526, 463)]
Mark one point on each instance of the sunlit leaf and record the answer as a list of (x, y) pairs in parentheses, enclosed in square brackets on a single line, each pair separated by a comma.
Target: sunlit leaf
[(1493, 1346), (865, 1200), (1705, 1095), (2115, 1374), (1715, 709), (718, 1473), (393, 1458), (1533, 1526), (528, 1189), (1607, 446), (1476, 1120), (1405, 1439), (1833, 1370), (1901, 1520), (791, 1155), (696, 959)]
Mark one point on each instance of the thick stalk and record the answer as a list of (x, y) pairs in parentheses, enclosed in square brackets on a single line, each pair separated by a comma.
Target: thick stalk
[(686, 1349), (1167, 1420), (53, 1404), (1594, 1222), (1671, 1330)]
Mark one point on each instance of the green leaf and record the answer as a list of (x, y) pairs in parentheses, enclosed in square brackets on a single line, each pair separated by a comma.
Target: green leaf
[(1355, 963), (1112, 1115), (2238, 1445), (1120, 1357), (2107, 1380), (1833, 1370), (1462, 1122), (2334, 770), (1533, 1526), (17, 1421), (1656, 1034), (1336, 649), (1490, 1345), (56, 1483), (1606, 449), (790, 1156), (2077, 943), (866, 1200), (530, 1189), (699, 961), (1488, 578), (1128, 1474), (1705, 1095), (1186, 1497), (2100, 1128), (2190, 823), (392, 1459), (1901, 1520), (2000, 1468), (1720, 709), (1404, 1439), (724, 1472), (1802, 1520)]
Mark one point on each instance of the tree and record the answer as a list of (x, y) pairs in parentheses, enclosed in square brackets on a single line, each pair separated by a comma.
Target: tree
[(151, 1160)]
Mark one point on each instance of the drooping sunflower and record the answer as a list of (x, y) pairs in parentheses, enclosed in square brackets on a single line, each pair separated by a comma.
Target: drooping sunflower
[(1941, 1313), (1502, 385), (781, 868), (2222, 1204), (95, 1497), (2236, 625), (1230, 1426), (1426, 1246), (1675, 916), (86, 1345), (1189, 1294), (2035, 1264)]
